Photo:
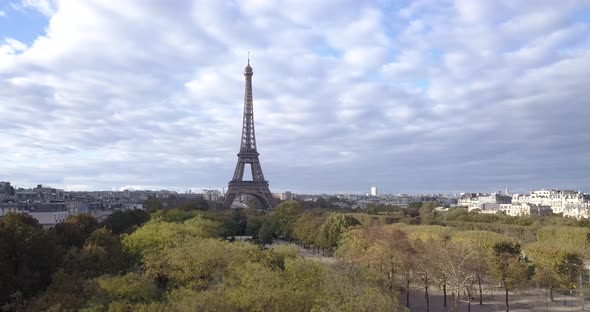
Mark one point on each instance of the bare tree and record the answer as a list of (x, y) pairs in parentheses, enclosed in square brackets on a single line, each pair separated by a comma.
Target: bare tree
[(457, 261), (426, 259)]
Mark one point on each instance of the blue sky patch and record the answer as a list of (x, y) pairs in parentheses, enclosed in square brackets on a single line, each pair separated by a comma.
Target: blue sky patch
[(21, 24)]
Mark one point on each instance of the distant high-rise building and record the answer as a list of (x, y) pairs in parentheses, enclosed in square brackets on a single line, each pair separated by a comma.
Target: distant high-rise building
[(374, 191), (286, 196)]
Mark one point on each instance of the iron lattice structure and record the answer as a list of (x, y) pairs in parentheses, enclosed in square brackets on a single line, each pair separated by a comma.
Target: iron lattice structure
[(248, 155)]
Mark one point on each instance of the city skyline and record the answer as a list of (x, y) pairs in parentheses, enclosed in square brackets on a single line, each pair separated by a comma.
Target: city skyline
[(367, 192), (420, 97)]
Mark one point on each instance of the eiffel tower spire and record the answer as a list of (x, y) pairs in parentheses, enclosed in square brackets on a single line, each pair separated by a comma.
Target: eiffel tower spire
[(248, 155), (248, 134)]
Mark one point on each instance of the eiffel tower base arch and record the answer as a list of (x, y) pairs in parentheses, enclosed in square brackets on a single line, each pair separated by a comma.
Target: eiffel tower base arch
[(259, 190)]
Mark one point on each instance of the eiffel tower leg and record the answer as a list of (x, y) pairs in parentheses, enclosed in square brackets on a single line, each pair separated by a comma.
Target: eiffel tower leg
[(265, 198), (230, 196), (271, 200)]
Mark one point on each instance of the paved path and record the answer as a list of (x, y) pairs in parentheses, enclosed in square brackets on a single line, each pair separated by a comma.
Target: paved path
[(531, 300)]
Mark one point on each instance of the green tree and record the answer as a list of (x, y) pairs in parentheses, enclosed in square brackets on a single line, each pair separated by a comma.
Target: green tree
[(66, 293), (125, 221), (103, 253), (75, 230), (284, 217), (276, 257), (119, 293), (28, 256), (69, 234), (157, 234), (234, 222), (307, 228), (257, 288), (426, 212), (305, 286), (240, 218), (198, 263), (253, 224), (413, 209), (152, 205), (175, 215), (372, 209), (265, 234), (198, 204), (85, 222), (509, 267), (333, 227), (321, 202)]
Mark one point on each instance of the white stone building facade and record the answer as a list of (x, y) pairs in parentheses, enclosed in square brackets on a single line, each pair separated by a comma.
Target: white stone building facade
[(569, 203), (525, 209)]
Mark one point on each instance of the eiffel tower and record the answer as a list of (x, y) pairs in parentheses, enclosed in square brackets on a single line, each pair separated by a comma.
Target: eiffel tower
[(248, 155)]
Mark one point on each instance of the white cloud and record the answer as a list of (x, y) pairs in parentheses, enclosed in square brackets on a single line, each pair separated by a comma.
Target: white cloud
[(46, 7), (138, 94), (15, 45)]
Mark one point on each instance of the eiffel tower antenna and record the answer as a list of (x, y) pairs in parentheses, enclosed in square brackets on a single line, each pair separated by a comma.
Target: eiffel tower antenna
[(248, 155)]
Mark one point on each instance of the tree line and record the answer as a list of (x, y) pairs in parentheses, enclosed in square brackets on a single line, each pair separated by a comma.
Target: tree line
[(178, 260), (186, 259)]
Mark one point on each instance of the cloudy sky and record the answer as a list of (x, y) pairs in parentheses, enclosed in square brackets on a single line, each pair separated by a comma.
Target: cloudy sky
[(411, 96)]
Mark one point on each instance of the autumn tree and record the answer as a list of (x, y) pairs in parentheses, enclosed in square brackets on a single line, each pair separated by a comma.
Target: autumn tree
[(307, 228), (349, 287), (427, 239), (571, 238), (185, 266), (384, 249), (426, 258), (482, 243), (555, 266)]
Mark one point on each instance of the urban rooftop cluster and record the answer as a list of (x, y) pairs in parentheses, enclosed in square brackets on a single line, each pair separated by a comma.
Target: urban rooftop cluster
[(51, 205)]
